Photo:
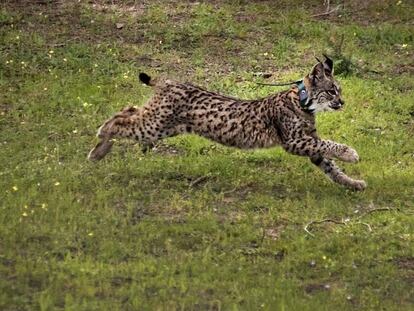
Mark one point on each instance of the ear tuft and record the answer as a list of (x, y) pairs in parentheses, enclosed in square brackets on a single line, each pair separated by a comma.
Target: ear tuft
[(146, 79), (328, 64)]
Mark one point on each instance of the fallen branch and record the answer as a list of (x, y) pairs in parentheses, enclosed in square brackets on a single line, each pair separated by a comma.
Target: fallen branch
[(348, 220)]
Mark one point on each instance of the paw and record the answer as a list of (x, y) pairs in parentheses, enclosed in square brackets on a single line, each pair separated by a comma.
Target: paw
[(358, 185), (349, 155)]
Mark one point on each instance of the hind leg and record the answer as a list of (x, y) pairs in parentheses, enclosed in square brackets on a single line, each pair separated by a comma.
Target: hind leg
[(143, 125), (105, 144)]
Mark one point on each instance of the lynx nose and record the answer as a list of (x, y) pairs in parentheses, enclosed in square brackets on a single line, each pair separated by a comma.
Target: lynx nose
[(337, 104)]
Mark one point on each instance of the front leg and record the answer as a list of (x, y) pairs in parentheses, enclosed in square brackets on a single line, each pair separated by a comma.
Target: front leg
[(336, 175), (314, 147)]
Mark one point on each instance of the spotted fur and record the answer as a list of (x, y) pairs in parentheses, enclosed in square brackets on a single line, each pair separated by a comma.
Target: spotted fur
[(279, 119)]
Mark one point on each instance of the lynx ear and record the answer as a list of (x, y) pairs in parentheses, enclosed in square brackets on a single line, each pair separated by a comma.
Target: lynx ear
[(328, 65), (317, 73), (321, 69)]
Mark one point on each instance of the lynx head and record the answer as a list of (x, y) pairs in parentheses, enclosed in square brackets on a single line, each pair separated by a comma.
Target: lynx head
[(323, 91)]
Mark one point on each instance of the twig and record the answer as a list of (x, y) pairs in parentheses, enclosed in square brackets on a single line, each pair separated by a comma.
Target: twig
[(306, 228), (263, 74), (380, 209), (229, 191), (57, 45), (289, 220), (197, 181), (327, 3), (341, 44), (373, 71), (365, 224), (263, 236), (327, 13)]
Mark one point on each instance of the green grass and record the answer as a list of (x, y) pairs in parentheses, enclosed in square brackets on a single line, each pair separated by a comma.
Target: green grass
[(195, 225)]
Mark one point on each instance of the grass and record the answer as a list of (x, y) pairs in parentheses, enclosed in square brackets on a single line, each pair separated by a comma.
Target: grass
[(194, 225)]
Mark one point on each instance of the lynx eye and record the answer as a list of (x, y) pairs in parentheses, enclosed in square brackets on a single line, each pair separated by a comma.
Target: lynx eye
[(331, 92)]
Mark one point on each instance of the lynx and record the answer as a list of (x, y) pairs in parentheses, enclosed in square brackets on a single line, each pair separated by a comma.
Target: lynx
[(286, 118)]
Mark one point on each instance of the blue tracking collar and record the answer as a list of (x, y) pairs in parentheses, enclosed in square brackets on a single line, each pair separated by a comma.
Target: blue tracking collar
[(303, 94)]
